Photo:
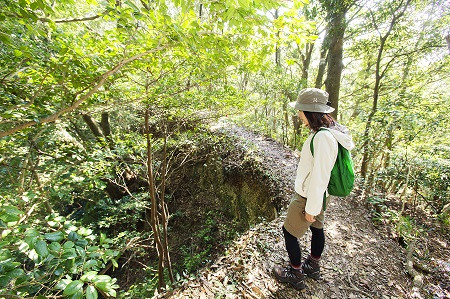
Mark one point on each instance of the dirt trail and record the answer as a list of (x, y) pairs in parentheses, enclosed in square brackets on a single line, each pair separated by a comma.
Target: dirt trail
[(358, 260)]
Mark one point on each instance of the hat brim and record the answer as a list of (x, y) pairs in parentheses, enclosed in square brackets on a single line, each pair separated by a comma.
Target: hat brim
[(317, 107)]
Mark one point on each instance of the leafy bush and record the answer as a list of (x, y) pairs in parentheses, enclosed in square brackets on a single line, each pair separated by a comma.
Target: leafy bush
[(53, 258), (428, 179)]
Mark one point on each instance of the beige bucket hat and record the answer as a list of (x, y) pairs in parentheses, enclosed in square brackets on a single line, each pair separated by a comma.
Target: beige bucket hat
[(312, 100)]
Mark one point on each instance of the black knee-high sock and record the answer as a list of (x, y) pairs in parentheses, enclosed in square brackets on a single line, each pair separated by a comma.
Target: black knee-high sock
[(293, 249), (317, 242)]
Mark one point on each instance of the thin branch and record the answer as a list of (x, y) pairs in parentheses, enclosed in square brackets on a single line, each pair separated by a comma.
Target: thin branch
[(375, 23), (405, 54)]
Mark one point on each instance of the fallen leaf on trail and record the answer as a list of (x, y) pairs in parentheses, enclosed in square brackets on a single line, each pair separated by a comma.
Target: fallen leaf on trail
[(258, 291)]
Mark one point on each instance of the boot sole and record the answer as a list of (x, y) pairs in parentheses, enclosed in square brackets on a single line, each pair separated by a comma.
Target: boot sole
[(282, 279)]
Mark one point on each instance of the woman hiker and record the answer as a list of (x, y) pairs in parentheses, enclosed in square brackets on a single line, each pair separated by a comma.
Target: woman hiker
[(313, 173)]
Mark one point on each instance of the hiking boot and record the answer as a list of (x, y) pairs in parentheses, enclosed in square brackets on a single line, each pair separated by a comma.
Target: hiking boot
[(290, 275), (311, 268)]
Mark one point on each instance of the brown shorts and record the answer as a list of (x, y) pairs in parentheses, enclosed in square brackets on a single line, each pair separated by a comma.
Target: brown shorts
[(295, 222)]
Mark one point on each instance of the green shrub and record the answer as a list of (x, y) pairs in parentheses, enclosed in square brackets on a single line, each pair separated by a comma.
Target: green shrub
[(55, 257)]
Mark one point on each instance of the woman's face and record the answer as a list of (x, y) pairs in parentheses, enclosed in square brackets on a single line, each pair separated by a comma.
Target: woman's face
[(303, 118)]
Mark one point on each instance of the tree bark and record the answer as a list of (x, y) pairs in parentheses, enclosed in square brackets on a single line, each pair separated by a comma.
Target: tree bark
[(323, 61), (104, 124), (277, 48), (164, 210), (153, 208), (335, 53), (92, 124), (306, 61)]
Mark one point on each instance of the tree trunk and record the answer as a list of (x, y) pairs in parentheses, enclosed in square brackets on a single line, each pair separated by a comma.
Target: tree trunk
[(164, 210), (376, 89), (92, 124), (277, 49), (104, 124), (335, 53), (379, 74), (47, 206), (323, 60), (153, 208), (306, 61)]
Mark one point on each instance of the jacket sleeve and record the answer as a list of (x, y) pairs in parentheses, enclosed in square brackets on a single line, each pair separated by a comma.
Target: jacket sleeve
[(325, 154)]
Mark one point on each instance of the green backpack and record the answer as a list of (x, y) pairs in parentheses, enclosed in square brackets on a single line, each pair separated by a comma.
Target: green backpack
[(342, 176)]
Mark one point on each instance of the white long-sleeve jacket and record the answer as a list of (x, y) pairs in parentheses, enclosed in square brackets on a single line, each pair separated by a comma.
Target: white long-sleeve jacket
[(313, 173)]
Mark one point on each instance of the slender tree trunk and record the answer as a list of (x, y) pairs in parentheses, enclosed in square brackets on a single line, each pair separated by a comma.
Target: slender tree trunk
[(92, 124), (376, 89), (323, 60), (153, 209), (104, 124), (26, 162), (306, 61), (38, 182), (379, 74), (164, 210), (277, 48), (335, 53)]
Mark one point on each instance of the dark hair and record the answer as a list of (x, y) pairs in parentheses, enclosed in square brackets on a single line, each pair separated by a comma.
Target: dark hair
[(318, 119)]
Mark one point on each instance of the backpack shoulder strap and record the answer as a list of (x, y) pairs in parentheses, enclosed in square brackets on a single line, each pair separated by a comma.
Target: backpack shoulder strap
[(311, 146)]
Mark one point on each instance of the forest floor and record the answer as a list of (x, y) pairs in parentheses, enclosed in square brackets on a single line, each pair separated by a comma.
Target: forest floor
[(359, 261)]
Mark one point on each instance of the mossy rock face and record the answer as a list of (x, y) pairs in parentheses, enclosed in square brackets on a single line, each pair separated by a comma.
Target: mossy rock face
[(213, 200), (243, 194), (249, 200)]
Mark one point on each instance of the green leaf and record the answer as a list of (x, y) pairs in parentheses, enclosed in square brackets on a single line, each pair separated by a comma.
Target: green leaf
[(73, 236), (102, 238), (68, 244), (103, 286), (17, 53), (111, 292), (91, 264), (33, 255), (31, 241), (41, 248), (55, 247), (4, 280), (77, 295), (15, 273), (31, 232), (81, 242), (69, 253), (93, 248), (58, 271), (73, 287), (55, 236), (114, 263), (89, 276), (102, 278), (62, 284), (91, 293), (8, 265), (9, 214)]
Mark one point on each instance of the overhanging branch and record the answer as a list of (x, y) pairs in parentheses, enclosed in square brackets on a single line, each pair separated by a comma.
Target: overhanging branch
[(101, 80)]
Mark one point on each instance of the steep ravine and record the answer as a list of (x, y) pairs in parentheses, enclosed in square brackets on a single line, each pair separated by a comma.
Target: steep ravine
[(358, 261)]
